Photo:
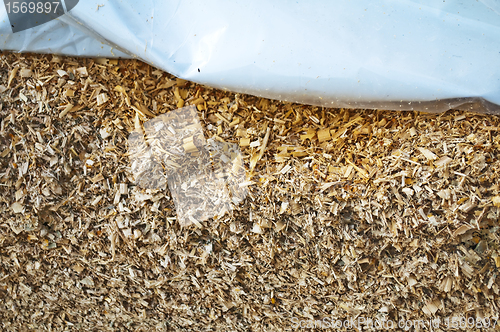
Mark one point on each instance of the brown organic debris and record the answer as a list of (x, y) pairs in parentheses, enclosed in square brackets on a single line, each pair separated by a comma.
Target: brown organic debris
[(348, 213)]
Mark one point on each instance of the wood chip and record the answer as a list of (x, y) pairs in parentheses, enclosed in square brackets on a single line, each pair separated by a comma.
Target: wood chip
[(102, 99), (82, 71), (123, 189), (427, 153), (17, 207), (97, 178), (66, 110), (244, 142), (323, 135)]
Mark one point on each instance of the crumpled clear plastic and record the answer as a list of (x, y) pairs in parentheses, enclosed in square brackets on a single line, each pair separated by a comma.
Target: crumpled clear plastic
[(204, 177)]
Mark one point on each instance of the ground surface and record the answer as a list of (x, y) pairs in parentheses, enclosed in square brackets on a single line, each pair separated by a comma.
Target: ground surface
[(350, 214)]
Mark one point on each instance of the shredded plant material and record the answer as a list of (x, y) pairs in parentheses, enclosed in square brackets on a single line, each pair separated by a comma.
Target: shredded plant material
[(348, 213)]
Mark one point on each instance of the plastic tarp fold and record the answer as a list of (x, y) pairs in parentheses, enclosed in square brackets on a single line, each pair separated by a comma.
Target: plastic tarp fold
[(406, 55)]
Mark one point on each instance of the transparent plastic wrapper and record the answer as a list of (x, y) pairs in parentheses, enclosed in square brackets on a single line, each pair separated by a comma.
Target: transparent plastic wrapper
[(206, 178), (403, 55)]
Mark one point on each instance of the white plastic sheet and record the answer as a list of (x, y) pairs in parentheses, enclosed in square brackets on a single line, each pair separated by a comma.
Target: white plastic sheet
[(425, 55)]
